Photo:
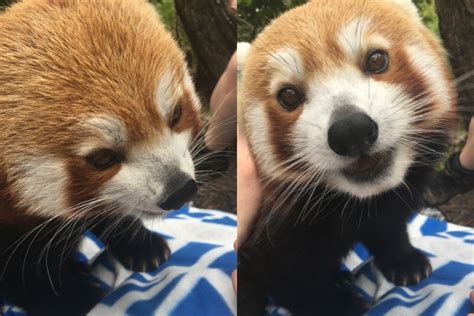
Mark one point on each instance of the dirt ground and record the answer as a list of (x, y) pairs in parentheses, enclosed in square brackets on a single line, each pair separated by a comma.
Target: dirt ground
[(460, 209)]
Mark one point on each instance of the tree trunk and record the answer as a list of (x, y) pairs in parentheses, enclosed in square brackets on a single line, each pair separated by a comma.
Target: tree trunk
[(456, 22), (5, 3), (211, 27)]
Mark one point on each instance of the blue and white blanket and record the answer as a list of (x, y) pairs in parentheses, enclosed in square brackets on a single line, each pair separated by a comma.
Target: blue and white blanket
[(196, 279), (451, 251)]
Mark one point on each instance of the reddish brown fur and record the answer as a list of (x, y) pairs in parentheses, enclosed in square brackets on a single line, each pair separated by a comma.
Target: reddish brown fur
[(276, 113), (65, 61), (190, 116), (81, 79), (321, 54), (84, 179), (289, 255)]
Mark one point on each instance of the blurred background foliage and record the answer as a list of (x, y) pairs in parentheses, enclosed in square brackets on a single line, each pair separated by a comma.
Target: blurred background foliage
[(254, 15), (427, 11), (169, 17), (167, 12)]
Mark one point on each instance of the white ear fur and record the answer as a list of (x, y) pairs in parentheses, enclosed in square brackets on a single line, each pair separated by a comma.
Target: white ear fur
[(242, 52), (409, 7)]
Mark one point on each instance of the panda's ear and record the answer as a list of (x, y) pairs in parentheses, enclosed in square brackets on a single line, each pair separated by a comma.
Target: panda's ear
[(409, 7), (242, 52), (243, 49)]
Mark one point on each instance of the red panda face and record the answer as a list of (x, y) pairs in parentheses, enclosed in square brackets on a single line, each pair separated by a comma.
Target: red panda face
[(345, 93), (99, 109)]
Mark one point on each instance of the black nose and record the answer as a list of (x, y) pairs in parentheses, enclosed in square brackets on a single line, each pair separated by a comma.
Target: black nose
[(180, 196), (352, 133)]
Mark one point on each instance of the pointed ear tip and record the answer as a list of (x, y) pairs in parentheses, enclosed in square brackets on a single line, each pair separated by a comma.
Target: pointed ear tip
[(409, 6), (242, 51), (243, 46)]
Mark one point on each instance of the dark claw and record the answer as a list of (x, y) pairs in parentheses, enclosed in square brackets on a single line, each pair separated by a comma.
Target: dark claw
[(406, 271)]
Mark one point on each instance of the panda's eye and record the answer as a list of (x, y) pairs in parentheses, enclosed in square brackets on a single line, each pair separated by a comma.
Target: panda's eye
[(178, 111), (290, 98), (377, 62), (103, 159)]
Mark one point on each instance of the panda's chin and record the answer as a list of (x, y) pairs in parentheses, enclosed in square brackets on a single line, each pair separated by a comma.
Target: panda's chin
[(372, 175), (369, 167)]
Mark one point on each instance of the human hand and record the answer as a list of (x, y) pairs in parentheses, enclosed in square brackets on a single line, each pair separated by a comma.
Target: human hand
[(249, 194), (233, 4), (249, 189)]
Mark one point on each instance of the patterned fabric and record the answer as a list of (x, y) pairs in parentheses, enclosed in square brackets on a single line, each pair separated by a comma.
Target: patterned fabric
[(451, 251), (196, 279)]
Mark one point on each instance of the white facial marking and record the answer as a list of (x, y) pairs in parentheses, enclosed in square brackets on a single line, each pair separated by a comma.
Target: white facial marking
[(354, 39), (351, 37), (41, 182), (107, 131), (379, 42), (259, 138), (287, 65), (385, 103), (143, 180), (189, 86), (168, 92), (431, 69)]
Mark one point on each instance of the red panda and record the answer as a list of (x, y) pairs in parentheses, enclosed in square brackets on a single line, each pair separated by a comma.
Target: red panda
[(97, 114), (347, 106)]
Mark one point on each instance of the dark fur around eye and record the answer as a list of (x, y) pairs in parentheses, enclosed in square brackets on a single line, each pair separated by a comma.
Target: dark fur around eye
[(177, 113), (103, 159)]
